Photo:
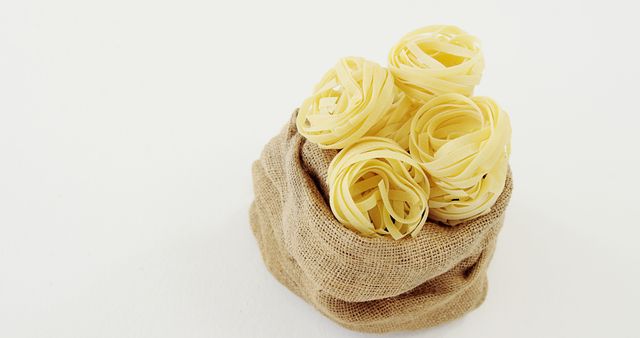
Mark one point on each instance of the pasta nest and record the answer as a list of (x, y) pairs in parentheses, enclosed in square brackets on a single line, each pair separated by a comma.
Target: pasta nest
[(463, 144), (436, 60), (350, 99), (376, 188)]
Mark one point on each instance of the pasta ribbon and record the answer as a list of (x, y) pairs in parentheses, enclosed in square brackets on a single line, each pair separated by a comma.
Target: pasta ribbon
[(463, 144), (376, 188), (436, 60), (350, 99), (396, 121)]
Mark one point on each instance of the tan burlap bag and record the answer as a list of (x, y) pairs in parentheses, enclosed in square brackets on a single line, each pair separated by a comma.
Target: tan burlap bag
[(364, 284)]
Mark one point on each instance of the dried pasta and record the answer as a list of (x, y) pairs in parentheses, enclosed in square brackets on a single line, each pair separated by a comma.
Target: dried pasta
[(376, 188), (435, 60), (415, 143), (463, 144), (395, 123), (349, 100)]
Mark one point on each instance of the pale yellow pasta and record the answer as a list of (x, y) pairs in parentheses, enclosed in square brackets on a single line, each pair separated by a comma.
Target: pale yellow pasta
[(436, 60), (395, 123), (349, 100), (376, 188), (463, 144)]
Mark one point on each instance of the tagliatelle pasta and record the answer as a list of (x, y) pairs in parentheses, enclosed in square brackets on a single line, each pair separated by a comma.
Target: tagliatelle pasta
[(376, 188), (349, 100), (436, 60), (463, 144), (413, 139), (395, 123)]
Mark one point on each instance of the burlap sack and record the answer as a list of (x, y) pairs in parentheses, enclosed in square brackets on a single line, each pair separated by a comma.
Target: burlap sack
[(364, 284)]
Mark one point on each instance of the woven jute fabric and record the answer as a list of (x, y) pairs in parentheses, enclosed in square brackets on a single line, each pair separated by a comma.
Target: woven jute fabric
[(364, 284)]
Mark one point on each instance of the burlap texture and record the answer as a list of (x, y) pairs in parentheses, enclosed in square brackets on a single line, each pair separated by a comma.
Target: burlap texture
[(365, 284)]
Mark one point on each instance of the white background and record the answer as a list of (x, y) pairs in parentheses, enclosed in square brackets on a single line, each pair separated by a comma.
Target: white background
[(127, 131)]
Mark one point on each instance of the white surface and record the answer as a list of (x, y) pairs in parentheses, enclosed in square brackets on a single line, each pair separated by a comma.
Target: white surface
[(127, 130)]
